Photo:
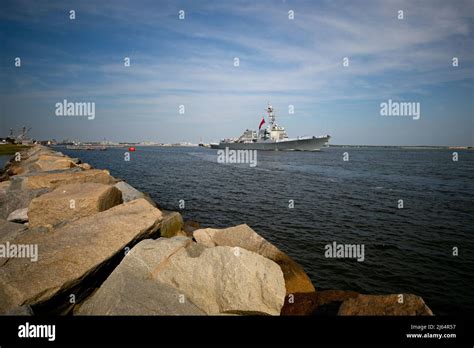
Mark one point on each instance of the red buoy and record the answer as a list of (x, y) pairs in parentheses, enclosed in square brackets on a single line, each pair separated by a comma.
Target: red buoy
[(131, 149)]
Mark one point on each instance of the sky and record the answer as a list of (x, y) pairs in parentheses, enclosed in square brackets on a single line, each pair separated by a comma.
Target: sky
[(284, 61)]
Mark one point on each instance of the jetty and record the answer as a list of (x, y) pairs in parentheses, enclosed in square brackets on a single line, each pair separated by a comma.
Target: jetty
[(74, 240)]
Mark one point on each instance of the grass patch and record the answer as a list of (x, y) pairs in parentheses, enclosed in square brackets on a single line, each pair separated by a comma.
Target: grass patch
[(11, 149)]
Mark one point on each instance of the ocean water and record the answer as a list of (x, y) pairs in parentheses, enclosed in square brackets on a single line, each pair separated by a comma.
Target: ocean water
[(408, 250), (4, 159)]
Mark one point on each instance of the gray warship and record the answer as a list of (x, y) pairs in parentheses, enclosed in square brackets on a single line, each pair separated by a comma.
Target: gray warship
[(272, 138)]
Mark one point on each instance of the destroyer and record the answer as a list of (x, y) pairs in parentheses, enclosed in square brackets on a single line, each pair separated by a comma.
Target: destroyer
[(273, 137)]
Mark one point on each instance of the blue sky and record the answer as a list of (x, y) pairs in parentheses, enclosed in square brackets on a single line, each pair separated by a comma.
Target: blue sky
[(190, 62)]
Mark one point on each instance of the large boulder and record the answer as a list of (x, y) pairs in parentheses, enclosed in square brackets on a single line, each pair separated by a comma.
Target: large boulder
[(55, 179), (72, 253), (72, 201), (52, 162), (377, 305), (217, 280), (297, 281), (130, 290)]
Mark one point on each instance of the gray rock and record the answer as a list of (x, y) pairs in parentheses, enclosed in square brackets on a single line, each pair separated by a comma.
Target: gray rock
[(19, 215), (130, 290), (14, 199), (129, 193), (68, 254), (220, 280), (297, 281), (10, 230), (226, 280)]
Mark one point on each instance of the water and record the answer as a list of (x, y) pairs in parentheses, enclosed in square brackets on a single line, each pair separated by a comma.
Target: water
[(4, 159), (407, 250)]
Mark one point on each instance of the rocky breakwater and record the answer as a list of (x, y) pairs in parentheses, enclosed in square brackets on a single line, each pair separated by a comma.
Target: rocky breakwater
[(75, 240)]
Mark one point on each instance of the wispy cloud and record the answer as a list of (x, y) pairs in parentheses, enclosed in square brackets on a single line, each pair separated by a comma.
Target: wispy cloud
[(190, 61)]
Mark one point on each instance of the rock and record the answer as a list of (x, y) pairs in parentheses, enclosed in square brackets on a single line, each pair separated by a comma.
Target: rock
[(4, 186), (14, 199), (72, 201), (327, 302), (191, 226), (296, 280), (53, 180), (85, 166), (172, 224), (127, 294), (73, 252), (48, 163), (11, 169), (20, 311), (130, 290), (328, 296), (129, 193), (9, 230), (222, 279), (215, 280), (30, 162), (19, 215), (385, 305), (300, 303)]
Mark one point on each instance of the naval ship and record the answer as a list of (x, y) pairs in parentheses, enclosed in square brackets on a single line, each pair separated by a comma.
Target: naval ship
[(272, 138)]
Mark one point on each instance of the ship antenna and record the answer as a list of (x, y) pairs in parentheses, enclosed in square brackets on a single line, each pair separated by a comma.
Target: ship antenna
[(271, 116)]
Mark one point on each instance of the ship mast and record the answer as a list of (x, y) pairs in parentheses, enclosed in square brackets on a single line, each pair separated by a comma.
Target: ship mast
[(271, 116)]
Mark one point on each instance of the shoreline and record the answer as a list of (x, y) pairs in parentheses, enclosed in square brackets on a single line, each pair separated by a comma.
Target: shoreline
[(61, 204)]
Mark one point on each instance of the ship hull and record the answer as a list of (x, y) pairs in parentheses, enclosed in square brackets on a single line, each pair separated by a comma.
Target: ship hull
[(308, 144)]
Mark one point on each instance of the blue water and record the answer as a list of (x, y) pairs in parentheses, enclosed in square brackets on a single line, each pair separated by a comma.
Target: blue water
[(407, 250), (4, 159)]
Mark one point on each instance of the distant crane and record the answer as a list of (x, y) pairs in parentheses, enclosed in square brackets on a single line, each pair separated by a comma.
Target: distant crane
[(20, 137)]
